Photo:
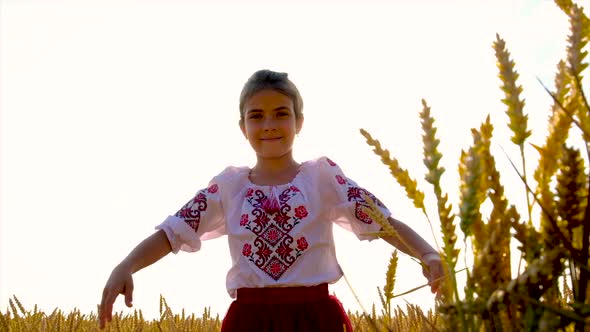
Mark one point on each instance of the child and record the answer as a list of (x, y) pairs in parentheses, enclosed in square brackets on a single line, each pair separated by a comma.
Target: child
[(278, 217)]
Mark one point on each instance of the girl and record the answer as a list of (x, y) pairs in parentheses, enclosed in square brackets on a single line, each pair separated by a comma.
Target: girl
[(278, 217)]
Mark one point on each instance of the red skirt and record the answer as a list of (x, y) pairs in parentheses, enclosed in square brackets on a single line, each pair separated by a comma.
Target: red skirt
[(289, 309)]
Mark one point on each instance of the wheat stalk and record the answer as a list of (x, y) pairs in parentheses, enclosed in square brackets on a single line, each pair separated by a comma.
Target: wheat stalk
[(431, 160), (571, 193), (401, 175), (577, 40), (499, 218), (518, 120), (471, 196), (558, 131), (508, 76)]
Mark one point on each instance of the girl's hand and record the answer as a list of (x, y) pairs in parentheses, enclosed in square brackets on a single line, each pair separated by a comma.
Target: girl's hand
[(120, 282), (433, 270)]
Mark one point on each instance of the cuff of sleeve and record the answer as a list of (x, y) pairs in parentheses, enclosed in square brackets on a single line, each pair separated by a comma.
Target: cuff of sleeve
[(180, 235), (430, 255)]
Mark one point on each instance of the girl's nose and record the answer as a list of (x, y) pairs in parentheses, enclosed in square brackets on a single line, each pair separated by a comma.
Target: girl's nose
[(269, 124)]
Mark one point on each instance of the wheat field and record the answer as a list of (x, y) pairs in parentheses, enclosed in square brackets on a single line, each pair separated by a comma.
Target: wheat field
[(20, 319)]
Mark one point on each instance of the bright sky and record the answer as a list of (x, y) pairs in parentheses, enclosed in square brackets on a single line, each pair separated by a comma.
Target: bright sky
[(114, 113)]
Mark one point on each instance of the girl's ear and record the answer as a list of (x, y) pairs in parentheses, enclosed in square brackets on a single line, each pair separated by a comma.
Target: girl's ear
[(243, 128), (299, 124)]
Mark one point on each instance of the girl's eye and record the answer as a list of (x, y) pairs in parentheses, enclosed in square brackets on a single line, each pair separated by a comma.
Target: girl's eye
[(255, 116), (282, 114)]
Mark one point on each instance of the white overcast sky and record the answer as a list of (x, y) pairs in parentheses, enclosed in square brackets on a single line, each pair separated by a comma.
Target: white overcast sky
[(114, 113)]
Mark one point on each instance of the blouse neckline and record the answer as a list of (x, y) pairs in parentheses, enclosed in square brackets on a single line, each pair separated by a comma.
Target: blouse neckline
[(295, 178)]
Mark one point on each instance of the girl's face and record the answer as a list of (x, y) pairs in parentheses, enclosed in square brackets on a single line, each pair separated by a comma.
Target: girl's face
[(270, 124)]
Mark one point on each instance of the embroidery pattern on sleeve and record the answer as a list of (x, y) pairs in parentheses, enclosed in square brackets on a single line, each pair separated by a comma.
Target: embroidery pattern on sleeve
[(355, 193), (271, 219), (191, 211)]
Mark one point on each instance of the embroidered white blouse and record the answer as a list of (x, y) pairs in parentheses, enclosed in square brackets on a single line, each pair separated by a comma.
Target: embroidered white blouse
[(279, 236)]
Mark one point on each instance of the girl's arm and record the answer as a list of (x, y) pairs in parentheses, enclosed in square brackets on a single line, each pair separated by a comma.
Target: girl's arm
[(149, 251), (409, 241), (414, 245)]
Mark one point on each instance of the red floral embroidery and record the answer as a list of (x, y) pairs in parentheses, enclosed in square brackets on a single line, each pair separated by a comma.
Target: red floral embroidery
[(244, 220), (191, 211), (275, 268), (261, 221), (281, 219), (264, 251), (354, 193), (284, 250), (360, 215), (272, 235), (213, 188), (330, 162), (249, 192), (271, 220), (340, 179), (247, 250), (302, 243), (300, 212)]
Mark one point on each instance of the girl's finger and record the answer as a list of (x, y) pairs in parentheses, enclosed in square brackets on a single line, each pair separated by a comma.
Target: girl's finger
[(425, 273), (437, 275), (434, 287), (101, 307), (129, 294), (105, 308), (108, 308)]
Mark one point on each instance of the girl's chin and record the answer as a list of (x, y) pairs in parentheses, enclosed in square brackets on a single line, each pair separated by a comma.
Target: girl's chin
[(272, 154)]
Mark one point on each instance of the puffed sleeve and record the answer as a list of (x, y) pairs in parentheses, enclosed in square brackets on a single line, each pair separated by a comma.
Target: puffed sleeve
[(201, 218), (348, 201)]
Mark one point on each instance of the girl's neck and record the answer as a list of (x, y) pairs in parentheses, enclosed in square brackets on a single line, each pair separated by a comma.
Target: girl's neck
[(275, 165), (274, 171)]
